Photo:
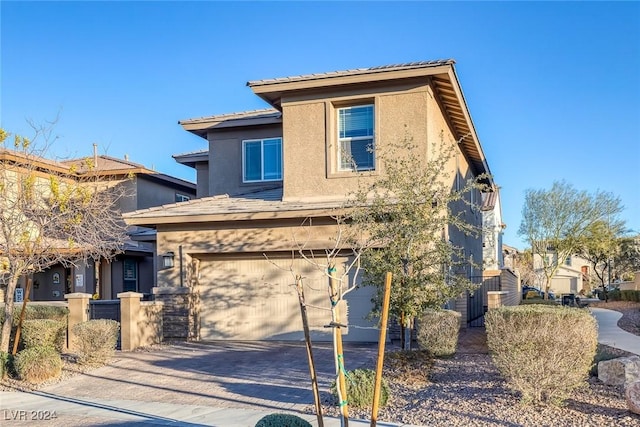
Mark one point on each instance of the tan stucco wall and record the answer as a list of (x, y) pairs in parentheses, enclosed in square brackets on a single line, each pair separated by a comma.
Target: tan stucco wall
[(310, 135), (198, 241)]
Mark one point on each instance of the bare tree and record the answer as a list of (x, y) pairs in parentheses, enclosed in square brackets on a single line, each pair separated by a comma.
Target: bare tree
[(50, 214)]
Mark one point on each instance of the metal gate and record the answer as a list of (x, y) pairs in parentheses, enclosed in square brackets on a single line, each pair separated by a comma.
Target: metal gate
[(106, 309), (477, 300)]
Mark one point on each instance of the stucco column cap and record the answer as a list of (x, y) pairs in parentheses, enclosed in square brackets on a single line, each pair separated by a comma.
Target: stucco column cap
[(77, 295), (130, 294)]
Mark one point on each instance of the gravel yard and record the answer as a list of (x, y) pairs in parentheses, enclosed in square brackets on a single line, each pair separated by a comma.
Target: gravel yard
[(467, 390)]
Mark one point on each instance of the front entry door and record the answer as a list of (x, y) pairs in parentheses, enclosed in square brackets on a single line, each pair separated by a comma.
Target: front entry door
[(130, 276)]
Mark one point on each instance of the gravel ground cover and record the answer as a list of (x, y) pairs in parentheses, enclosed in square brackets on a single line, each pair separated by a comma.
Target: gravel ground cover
[(467, 390)]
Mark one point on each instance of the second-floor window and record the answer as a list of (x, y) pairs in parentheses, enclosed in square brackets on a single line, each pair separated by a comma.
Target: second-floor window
[(262, 160), (355, 138)]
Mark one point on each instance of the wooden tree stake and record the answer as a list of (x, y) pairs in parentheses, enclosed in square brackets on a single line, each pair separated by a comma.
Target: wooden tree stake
[(307, 339), (381, 344)]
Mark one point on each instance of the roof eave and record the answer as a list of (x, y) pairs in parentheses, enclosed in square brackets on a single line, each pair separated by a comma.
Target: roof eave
[(220, 217)]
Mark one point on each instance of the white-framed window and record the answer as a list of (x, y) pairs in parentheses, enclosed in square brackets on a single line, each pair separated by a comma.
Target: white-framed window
[(356, 142), (182, 198), (262, 160)]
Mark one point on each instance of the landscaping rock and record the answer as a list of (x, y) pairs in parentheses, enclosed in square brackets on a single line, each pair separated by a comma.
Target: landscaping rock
[(632, 395), (620, 371)]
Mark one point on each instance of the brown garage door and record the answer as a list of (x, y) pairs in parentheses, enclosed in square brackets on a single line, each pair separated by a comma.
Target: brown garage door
[(253, 298)]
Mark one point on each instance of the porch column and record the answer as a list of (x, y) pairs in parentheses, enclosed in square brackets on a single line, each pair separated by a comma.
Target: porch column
[(129, 317), (78, 304)]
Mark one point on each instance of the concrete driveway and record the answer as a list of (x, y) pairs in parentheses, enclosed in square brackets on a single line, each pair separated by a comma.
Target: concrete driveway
[(259, 376)]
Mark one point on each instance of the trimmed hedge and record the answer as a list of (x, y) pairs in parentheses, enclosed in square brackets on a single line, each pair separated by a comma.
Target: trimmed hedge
[(360, 387), (438, 332), (96, 340), (44, 333), (543, 352), (37, 311), (38, 364)]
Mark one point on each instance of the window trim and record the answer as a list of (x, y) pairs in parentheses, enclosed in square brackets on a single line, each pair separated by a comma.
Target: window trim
[(262, 179), (339, 141)]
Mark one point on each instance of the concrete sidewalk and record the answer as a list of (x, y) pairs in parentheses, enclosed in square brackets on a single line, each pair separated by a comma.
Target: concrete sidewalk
[(25, 409), (610, 334)]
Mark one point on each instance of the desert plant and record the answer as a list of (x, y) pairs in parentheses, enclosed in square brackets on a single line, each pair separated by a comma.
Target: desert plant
[(438, 331), (543, 352), (282, 420), (360, 388), (96, 340), (38, 364), (6, 364), (43, 333)]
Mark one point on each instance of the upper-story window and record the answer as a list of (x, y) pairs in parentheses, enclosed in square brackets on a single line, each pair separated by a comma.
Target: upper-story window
[(262, 160), (182, 198), (355, 138)]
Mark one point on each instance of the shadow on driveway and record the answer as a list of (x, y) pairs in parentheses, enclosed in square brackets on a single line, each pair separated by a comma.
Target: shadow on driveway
[(259, 375)]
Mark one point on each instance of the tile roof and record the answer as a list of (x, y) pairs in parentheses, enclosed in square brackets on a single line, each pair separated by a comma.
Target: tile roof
[(243, 115), (353, 72), (267, 203), (105, 163)]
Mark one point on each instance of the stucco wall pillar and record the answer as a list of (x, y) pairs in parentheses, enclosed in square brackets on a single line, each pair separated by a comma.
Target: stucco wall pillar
[(129, 319), (496, 299), (78, 304)]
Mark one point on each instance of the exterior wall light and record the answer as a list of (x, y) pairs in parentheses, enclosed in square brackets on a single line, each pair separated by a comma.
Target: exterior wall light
[(167, 260)]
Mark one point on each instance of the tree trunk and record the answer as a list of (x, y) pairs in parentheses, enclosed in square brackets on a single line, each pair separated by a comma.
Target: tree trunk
[(8, 313), (407, 334)]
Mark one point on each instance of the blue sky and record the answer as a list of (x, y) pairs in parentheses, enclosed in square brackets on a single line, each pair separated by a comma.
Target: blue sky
[(553, 87)]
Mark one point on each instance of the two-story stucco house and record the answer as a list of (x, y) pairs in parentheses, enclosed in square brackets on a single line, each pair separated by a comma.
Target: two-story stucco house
[(266, 172)]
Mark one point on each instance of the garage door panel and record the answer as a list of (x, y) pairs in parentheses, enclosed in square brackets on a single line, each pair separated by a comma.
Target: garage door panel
[(255, 299)]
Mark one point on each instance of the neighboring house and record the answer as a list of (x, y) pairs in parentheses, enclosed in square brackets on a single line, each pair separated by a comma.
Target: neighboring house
[(493, 230), (133, 269), (271, 181), (572, 276)]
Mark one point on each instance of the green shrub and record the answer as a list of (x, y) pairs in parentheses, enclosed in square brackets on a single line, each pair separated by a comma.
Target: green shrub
[(282, 420), (43, 333), (614, 295), (6, 364), (438, 331), (543, 352), (360, 387), (38, 364), (37, 311), (630, 295), (96, 340)]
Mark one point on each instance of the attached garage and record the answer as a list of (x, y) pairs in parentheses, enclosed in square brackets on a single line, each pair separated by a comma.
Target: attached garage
[(252, 297)]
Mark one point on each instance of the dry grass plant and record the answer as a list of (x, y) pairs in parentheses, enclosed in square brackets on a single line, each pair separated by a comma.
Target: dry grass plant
[(438, 332), (96, 340), (543, 352), (38, 364)]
